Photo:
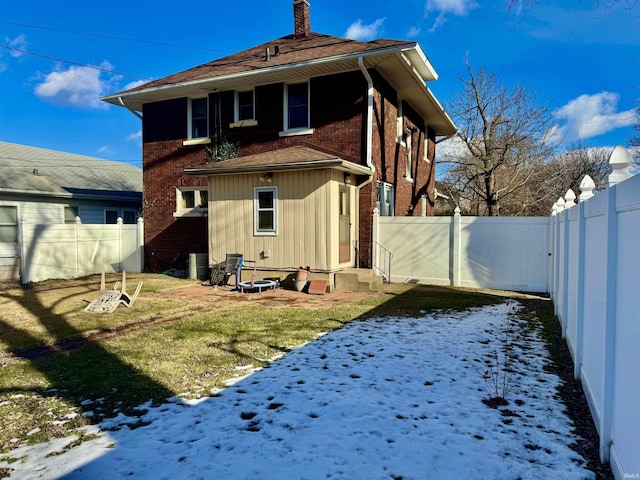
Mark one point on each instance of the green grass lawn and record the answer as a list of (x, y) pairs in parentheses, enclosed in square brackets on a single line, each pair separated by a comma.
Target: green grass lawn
[(180, 347)]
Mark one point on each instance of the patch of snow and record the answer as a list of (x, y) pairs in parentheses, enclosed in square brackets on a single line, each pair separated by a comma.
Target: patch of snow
[(376, 399)]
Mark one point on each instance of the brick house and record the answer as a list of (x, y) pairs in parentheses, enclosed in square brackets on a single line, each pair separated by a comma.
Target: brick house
[(282, 151)]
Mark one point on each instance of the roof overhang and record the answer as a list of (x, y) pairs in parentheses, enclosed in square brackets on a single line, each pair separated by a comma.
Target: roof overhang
[(297, 158), (336, 164), (405, 67)]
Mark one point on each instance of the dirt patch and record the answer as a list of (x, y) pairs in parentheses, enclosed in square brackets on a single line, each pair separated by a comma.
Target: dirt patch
[(228, 297)]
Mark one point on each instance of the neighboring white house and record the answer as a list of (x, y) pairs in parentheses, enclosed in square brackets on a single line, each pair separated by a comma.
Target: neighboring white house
[(40, 186)]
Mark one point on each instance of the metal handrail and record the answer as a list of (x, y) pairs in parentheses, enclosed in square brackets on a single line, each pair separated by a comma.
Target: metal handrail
[(381, 259)]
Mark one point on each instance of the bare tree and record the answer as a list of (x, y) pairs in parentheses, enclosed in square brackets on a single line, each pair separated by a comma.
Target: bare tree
[(503, 131)]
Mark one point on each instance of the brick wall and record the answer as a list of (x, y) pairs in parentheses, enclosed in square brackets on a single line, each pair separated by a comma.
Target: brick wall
[(169, 240)]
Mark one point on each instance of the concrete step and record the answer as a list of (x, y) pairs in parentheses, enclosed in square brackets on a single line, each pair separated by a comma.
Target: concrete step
[(358, 280)]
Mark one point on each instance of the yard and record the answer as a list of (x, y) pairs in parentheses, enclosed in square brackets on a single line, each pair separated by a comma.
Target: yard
[(76, 386)]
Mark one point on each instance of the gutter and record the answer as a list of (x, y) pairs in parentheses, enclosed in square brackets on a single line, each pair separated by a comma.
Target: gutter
[(130, 109), (314, 165)]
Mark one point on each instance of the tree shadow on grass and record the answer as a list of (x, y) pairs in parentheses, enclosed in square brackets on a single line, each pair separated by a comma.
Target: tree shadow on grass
[(75, 373)]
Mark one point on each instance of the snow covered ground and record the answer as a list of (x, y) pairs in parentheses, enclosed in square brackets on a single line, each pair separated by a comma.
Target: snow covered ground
[(388, 398)]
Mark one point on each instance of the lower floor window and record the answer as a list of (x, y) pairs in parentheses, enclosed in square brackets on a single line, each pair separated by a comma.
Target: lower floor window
[(385, 199), (191, 199), (265, 211)]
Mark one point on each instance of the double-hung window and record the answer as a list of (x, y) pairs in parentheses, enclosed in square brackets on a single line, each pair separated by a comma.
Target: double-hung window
[(296, 112), (8, 224), (244, 106), (265, 211), (198, 118)]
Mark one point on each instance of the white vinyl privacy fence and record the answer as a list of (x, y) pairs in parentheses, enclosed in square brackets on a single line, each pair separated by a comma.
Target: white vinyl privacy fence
[(587, 256), (506, 253), (595, 287), (76, 250)]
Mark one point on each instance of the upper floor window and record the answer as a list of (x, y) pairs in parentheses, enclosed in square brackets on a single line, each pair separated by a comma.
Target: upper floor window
[(198, 118), (408, 143), (8, 224), (244, 106), (296, 112), (265, 211), (194, 200)]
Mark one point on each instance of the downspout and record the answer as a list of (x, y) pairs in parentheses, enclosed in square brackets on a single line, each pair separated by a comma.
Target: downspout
[(368, 144), (369, 129), (130, 109)]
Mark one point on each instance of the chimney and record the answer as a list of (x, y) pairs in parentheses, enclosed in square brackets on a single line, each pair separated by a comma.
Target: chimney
[(301, 21)]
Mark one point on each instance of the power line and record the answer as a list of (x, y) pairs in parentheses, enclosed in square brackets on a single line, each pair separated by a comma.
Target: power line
[(114, 72), (113, 37)]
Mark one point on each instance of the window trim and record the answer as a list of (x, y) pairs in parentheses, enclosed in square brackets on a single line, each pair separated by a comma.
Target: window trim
[(15, 225), (197, 210), (236, 106), (257, 210), (190, 119), (285, 107)]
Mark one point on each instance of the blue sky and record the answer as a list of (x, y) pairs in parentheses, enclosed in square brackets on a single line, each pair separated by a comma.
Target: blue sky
[(581, 59)]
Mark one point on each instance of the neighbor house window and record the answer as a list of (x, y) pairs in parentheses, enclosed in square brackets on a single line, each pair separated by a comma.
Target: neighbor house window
[(409, 148), (128, 216), (265, 211), (244, 106), (8, 224), (70, 214), (385, 199), (296, 112), (198, 118), (191, 200)]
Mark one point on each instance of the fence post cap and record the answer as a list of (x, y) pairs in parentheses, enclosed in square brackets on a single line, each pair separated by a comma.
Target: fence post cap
[(560, 204), (456, 211), (119, 221), (77, 220), (587, 185), (620, 161), (376, 211), (569, 198)]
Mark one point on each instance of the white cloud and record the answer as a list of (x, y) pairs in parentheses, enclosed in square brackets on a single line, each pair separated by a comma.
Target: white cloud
[(76, 86), (104, 150), (135, 84), (459, 8), (414, 32), (135, 135), (592, 115), (359, 31), (20, 42)]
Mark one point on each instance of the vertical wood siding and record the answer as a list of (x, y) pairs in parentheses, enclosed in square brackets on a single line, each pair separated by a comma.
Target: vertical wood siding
[(307, 219)]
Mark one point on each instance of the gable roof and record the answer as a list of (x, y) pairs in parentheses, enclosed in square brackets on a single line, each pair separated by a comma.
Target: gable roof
[(289, 59), (38, 171), (298, 157)]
